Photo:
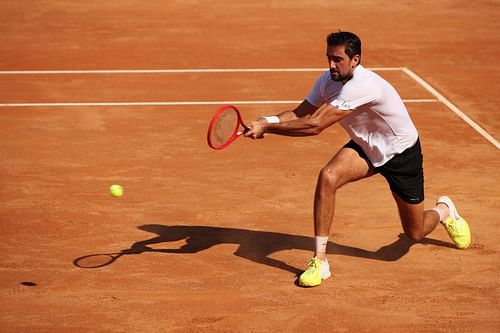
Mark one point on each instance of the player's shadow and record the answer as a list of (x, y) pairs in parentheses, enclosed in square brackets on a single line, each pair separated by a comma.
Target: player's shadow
[(257, 246)]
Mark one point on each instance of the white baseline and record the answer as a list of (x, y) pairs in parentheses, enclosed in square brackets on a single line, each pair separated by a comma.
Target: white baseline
[(418, 79)]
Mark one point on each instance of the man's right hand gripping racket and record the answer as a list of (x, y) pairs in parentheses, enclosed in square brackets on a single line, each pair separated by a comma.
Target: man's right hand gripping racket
[(225, 127)]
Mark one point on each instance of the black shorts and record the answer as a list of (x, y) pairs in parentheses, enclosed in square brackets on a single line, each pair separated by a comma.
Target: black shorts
[(404, 172)]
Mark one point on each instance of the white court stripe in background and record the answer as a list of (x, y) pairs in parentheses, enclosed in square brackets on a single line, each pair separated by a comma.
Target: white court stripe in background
[(180, 103), (177, 71), (452, 107), (418, 79)]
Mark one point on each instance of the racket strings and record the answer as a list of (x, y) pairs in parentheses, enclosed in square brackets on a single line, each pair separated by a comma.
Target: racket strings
[(224, 127)]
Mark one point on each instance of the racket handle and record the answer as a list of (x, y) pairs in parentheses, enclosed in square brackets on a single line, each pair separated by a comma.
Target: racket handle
[(246, 129)]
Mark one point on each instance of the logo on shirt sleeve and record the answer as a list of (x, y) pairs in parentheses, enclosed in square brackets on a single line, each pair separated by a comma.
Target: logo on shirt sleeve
[(341, 105)]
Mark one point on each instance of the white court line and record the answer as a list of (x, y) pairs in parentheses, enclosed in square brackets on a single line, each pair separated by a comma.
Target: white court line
[(452, 107), (179, 71), (89, 104), (419, 80), (174, 71)]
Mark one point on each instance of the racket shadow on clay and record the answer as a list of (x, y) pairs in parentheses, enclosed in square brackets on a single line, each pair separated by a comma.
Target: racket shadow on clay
[(98, 260), (253, 245)]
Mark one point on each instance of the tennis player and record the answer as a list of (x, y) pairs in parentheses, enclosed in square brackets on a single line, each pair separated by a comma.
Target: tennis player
[(384, 141)]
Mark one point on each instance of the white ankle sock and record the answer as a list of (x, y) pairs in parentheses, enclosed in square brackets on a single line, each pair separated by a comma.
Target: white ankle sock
[(441, 213), (321, 243)]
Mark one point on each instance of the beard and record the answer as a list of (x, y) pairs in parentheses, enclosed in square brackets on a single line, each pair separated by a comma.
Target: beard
[(336, 76)]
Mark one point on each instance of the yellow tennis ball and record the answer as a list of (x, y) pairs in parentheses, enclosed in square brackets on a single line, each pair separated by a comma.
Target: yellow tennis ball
[(116, 190)]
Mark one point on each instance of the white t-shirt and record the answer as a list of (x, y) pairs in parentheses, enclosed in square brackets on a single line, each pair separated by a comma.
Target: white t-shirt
[(379, 123)]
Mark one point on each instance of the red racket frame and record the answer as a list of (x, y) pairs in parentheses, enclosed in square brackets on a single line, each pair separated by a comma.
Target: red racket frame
[(235, 134)]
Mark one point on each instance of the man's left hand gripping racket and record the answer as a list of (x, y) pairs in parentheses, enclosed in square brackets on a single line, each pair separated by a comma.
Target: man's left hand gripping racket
[(225, 127)]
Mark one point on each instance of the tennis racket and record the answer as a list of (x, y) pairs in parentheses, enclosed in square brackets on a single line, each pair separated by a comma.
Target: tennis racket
[(225, 127)]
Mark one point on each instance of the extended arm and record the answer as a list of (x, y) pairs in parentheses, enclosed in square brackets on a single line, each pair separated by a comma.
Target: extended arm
[(305, 120), (304, 109)]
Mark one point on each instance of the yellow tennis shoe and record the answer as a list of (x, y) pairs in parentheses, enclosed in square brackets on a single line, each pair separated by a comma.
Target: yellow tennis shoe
[(456, 226), (316, 271)]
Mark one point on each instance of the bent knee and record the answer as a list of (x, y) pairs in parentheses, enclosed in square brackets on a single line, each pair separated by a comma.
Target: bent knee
[(415, 235), (329, 177)]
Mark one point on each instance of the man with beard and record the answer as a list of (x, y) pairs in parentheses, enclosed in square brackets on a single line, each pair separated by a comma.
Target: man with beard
[(383, 140)]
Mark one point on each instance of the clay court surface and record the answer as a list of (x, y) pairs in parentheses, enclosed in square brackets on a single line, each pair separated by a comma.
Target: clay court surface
[(214, 240)]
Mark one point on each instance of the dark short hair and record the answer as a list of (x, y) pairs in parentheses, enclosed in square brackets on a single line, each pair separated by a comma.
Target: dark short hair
[(351, 42)]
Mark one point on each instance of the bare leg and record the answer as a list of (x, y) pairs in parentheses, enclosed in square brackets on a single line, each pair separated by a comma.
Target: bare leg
[(346, 166), (416, 222)]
